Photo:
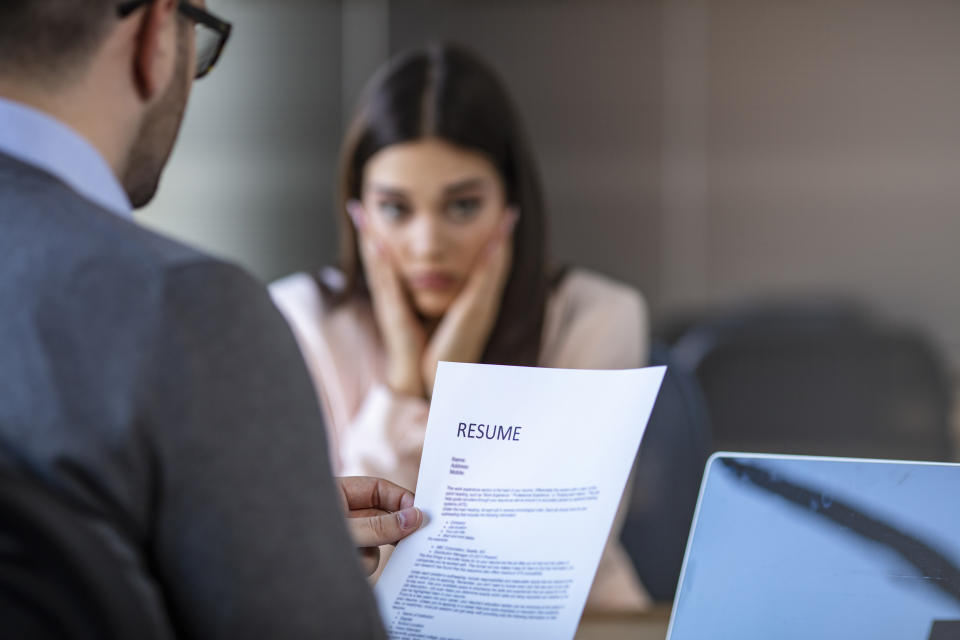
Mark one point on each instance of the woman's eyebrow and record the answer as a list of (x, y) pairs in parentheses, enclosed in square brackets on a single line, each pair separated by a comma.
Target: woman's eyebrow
[(385, 190), (464, 185)]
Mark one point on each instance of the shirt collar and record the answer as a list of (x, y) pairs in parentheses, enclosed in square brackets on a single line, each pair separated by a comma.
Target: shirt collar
[(38, 139)]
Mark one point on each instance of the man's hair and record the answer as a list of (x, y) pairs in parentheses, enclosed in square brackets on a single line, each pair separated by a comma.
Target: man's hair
[(43, 39)]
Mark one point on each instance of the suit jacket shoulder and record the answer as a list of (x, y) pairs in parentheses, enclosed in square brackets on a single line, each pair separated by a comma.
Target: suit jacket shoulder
[(160, 391)]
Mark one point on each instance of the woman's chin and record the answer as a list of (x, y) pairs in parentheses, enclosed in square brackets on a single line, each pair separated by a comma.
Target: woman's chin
[(432, 306)]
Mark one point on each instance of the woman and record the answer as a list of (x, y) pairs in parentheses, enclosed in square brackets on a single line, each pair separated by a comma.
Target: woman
[(443, 257)]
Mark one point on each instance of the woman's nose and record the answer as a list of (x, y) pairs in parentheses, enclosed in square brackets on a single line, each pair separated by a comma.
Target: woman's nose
[(426, 236)]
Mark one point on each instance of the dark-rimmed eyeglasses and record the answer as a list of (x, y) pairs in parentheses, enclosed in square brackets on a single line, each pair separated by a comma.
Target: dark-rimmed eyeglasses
[(212, 32)]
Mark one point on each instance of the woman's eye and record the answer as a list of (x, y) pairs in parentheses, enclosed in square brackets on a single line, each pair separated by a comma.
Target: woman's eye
[(392, 210), (463, 209)]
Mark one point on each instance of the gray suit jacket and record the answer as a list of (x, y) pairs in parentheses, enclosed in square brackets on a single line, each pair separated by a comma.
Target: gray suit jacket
[(160, 389)]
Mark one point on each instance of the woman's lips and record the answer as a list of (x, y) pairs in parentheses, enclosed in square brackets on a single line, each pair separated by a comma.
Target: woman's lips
[(433, 281)]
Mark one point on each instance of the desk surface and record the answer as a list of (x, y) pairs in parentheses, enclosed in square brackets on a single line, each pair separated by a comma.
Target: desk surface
[(645, 626)]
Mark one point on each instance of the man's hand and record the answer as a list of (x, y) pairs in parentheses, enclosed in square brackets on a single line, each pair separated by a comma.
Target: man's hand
[(378, 512)]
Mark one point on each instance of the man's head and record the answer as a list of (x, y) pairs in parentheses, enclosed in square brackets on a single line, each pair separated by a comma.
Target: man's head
[(46, 40), (121, 81)]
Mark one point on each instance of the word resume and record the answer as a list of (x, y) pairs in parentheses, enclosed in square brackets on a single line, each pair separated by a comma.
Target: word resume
[(521, 475)]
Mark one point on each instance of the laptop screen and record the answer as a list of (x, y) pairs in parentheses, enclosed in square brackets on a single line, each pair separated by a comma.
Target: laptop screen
[(792, 547)]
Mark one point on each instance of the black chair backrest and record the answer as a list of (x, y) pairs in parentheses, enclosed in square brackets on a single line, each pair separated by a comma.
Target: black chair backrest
[(666, 481), (842, 389), (61, 578)]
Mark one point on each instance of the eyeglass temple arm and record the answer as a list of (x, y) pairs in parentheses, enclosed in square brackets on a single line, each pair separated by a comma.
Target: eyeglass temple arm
[(124, 9)]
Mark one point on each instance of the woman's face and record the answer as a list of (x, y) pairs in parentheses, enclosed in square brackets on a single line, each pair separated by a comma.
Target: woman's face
[(435, 207)]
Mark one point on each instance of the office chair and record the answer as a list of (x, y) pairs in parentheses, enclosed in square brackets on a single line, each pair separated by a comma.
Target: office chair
[(807, 384), (666, 480)]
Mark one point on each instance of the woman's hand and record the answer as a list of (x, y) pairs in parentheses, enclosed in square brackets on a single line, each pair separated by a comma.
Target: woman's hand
[(378, 512), (403, 336), (465, 328)]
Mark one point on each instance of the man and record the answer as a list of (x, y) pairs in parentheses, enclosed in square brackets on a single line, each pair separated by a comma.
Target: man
[(157, 388)]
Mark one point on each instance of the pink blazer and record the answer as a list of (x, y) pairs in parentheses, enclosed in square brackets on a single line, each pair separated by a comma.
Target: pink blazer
[(591, 322)]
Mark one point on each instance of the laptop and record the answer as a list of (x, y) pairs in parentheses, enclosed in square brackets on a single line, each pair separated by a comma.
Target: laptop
[(796, 547)]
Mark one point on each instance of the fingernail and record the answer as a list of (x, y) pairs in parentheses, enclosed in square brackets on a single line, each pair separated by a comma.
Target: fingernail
[(511, 221), (355, 211), (408, 518), (489, 249)]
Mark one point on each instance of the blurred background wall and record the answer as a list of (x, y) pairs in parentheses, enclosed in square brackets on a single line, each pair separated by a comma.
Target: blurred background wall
[(706, 151), (251, 176)]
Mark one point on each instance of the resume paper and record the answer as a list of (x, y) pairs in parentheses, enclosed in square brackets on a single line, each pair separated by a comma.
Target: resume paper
[(521, 475)]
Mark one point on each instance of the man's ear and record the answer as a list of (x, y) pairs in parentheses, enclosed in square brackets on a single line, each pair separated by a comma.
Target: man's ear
[(156, 48)]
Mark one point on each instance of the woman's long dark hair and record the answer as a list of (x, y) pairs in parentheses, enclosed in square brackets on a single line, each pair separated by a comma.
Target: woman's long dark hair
[(445, 92)]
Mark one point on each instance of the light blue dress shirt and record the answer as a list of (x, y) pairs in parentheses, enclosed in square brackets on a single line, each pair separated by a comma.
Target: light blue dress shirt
[(38, 139)]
